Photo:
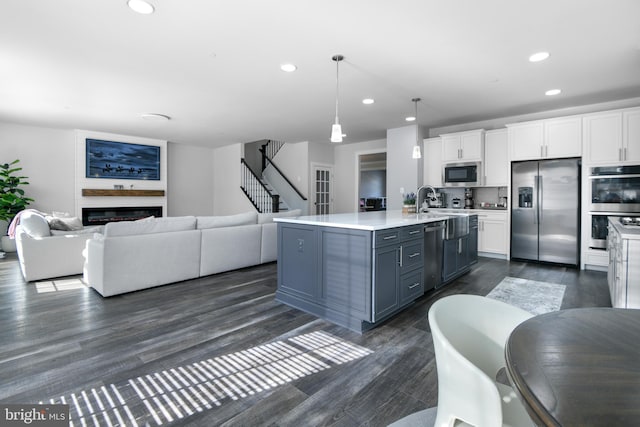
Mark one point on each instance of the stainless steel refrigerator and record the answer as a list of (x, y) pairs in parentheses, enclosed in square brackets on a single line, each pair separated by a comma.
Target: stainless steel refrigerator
[(545, 211)]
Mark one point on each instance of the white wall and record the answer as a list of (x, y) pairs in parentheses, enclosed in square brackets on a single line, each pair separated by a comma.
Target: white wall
[(345, 197), (402, 170), (47, 158), (191, 174), (228, 197), (293, 160)]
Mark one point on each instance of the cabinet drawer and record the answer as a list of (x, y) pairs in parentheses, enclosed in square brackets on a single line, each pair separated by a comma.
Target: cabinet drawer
[(412, 256), (412, 232), (411, 286), (387, 237)]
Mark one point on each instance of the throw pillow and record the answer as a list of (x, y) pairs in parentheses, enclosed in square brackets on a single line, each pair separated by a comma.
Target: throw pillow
[(34, 224), (64, 224)]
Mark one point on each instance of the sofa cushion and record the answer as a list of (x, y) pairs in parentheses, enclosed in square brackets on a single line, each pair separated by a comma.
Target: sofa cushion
[(268, 217), (151, 226), (85, 230), (228, 220), (34, 224)]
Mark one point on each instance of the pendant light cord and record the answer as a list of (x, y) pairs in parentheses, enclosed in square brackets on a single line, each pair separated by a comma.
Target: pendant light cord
[(338, 58)]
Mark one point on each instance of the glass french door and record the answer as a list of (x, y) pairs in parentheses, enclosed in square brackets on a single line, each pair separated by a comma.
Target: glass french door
[(323, 186)]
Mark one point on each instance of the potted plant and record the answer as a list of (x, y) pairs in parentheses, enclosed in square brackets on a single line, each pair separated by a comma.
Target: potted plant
[(12, 198), (409, 203)]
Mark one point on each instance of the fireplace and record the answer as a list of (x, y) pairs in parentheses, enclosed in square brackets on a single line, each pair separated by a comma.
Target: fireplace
[(100, 216)]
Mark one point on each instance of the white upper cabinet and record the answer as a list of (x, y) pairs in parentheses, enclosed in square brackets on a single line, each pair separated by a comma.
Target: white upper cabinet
[(433, 162), (526, 140), (603, 137), (553, 138), (563, 137), (496, 158), (463, 146), (631, 136), (612, 137)]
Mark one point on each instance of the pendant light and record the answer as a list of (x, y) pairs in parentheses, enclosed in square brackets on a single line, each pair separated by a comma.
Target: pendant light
[(416, 148), (336, 129)]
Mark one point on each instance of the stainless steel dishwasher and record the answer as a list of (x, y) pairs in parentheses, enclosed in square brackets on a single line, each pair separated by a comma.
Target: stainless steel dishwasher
[(433, 251)]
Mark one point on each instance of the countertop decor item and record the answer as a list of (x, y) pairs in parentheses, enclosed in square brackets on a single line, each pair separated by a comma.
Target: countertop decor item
[(409, 203)]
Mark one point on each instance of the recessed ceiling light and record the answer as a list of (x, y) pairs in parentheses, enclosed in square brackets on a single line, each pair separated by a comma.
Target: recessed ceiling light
[(539, 56), (552, 92), (289, 68), (155, 117), (410, 119), (141, 6), (368, 101)]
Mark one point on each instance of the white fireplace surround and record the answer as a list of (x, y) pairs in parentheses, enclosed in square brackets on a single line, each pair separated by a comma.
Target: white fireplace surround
[(82, 182)]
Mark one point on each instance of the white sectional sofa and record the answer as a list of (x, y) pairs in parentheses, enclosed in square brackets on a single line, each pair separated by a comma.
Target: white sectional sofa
[(135, 255), (44, 253)]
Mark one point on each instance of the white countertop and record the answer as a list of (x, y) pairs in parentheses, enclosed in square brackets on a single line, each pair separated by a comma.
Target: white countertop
[(626, 231), (378, 220)]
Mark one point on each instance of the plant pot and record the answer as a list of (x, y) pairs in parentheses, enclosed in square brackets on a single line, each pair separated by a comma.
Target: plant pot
[(8, 244), (408, 209)]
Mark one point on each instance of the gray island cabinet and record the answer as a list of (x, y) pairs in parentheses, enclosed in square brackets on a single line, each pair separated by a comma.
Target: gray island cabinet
[(355, 270)]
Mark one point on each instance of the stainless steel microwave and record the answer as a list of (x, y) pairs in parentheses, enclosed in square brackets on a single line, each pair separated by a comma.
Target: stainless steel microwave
[(462, 174)]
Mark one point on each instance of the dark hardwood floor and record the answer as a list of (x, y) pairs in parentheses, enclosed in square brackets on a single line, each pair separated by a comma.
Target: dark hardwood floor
[(220, 350)]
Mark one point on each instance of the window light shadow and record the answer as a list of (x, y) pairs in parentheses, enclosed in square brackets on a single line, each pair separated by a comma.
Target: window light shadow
[(161, 398), (59, 285)]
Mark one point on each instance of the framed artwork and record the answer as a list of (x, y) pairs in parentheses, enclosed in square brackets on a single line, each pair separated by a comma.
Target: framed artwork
[(122, 160)]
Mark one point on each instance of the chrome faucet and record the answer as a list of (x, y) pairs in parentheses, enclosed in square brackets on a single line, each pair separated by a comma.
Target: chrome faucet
[(419, 201)]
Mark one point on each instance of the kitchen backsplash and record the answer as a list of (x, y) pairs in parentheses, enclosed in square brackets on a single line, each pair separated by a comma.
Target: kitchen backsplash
[(490, 195)]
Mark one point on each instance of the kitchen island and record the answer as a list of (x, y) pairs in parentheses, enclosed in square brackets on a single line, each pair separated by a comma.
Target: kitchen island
[(355, 269)]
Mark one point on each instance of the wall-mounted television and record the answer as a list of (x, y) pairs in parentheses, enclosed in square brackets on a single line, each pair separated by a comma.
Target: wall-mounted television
[(122, 160)]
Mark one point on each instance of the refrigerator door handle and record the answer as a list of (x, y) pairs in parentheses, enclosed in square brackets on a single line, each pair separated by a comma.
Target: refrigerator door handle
[(534, 205), (540, 208)]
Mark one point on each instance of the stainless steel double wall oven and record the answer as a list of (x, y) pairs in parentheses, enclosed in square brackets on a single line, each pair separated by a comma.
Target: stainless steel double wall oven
[(614, 191)]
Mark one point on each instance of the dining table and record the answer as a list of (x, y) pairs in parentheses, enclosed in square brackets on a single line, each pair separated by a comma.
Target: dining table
[(578, 367)]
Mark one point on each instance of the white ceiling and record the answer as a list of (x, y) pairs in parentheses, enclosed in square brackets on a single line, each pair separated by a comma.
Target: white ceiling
[(214, 66)]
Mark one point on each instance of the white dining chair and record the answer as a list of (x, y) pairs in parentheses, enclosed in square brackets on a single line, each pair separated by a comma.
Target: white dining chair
[(469, 335)]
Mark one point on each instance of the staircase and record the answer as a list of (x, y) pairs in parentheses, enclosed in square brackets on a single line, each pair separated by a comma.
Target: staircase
[(261, 196), (257, 188)]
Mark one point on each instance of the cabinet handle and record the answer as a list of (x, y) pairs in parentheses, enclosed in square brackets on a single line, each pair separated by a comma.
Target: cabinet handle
[(620, 154), (459, 246), (415, 232), (414, 255), (415, 285), (400, 256), (390, 237), (624, 151)]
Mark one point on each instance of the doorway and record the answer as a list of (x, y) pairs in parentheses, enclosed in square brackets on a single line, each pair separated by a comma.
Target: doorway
[(372, 182)]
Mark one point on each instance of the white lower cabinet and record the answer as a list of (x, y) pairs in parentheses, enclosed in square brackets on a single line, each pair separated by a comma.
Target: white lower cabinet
[(493, 233)]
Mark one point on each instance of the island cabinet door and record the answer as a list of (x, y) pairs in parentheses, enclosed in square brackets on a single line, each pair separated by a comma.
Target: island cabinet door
[(386, 281), (298, 261), (345, 275)]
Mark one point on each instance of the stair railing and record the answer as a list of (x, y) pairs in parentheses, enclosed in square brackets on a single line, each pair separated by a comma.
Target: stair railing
[(259, 195)]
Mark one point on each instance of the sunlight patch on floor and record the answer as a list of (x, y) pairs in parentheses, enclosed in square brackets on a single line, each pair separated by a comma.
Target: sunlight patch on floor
[(163, 397), (59, 285)]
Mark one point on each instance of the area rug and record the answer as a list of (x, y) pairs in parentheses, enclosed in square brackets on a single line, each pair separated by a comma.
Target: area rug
[(530, 295)]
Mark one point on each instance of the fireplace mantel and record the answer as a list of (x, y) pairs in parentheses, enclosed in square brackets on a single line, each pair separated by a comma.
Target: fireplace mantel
[(98, 192)]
